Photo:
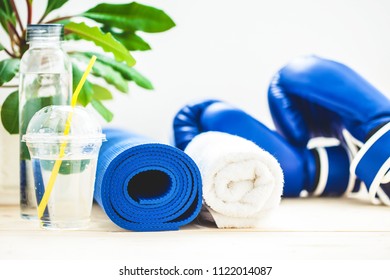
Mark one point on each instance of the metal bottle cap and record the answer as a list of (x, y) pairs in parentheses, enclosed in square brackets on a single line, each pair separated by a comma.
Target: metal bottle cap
[(45, 32)]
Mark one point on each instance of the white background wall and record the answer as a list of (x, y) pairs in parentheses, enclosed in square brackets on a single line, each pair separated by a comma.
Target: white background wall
[(230, 49)]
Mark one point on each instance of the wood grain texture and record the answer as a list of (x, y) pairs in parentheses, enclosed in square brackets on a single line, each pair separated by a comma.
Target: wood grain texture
[(307, 228)]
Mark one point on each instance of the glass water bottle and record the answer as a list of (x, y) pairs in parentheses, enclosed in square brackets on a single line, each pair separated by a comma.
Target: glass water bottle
[(45, 79)]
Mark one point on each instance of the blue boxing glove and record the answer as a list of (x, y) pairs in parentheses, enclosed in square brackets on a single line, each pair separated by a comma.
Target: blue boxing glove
[(312, 96), (322, 171)]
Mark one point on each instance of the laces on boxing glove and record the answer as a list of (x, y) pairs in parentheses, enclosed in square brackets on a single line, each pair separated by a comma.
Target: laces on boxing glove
[(332, 173), (371, 163)]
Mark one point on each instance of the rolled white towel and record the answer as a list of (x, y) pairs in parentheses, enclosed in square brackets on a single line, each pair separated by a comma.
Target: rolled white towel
[(242, 183)]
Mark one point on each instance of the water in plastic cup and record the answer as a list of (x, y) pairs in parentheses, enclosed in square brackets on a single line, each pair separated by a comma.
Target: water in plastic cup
[(70, 202)]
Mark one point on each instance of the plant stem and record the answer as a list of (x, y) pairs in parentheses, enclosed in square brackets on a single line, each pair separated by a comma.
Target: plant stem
[(17, 15), (8, 86), (14, 31), (29, 11), (9, 53), (59, 18), (42, 18)]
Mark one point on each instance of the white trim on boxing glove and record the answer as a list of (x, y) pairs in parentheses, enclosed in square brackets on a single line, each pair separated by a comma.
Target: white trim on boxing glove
[(354, 146), (365, 155), (324, 171)]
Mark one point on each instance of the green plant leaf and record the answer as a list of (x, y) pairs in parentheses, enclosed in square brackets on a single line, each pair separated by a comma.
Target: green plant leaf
[(131, 17), (67, 166), (72, 36), (6, 14), (8, 69), (53, 5), (1, 47), (10, 113), (128, 73), (104, 40), (32, 106), (132, 41), (111, 76), (101, 93), (86, 92), (129, 39), (138, 78), (102, 110), (5, 6)]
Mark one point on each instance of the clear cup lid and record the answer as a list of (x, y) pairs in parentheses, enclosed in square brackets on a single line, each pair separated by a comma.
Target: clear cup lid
[(48, 125)]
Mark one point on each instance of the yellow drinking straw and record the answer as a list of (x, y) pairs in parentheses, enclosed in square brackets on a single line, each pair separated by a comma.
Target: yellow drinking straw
[(56, 168)]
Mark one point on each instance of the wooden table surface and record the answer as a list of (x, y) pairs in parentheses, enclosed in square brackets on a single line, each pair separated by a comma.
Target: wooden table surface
[(301, 229)]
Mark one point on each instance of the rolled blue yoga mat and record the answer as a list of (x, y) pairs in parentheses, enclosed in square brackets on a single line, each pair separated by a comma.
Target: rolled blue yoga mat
[(146, 186)]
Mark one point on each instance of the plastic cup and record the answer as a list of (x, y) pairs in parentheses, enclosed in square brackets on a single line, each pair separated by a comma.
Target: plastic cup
[(70, 202)]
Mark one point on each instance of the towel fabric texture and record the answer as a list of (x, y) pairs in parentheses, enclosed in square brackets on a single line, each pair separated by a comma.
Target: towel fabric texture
[(146, 186), (242, 183)]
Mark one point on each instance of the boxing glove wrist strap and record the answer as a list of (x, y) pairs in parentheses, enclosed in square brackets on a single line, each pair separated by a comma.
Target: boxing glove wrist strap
[(372, 162), (323, 171), (334, 176)]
